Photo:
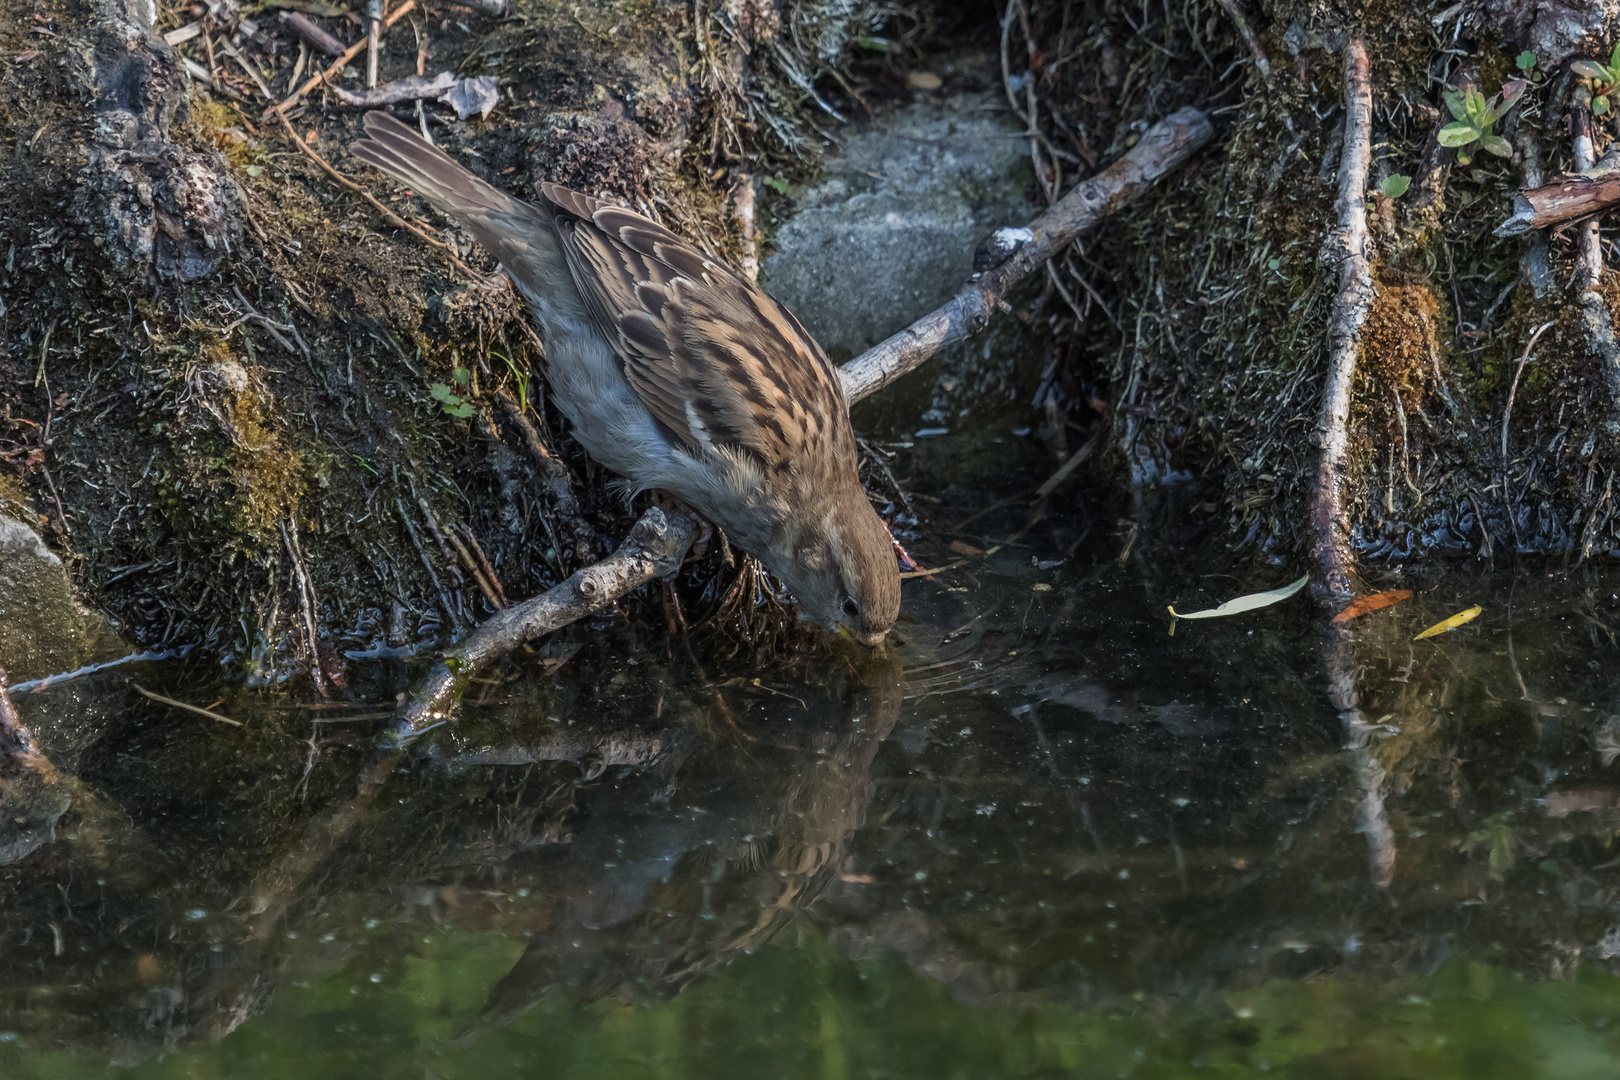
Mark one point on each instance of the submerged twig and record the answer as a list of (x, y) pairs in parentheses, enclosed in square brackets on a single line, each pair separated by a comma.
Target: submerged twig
[(1166, 145), (1347, 246), (172, 703)]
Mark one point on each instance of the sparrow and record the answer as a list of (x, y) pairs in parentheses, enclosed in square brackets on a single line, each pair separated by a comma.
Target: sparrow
[(679, 374)]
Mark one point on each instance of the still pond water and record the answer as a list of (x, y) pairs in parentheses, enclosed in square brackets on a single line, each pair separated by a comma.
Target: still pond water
[(1042, 837)]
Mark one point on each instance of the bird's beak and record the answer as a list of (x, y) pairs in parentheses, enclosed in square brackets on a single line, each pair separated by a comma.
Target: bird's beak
[(870, 640)]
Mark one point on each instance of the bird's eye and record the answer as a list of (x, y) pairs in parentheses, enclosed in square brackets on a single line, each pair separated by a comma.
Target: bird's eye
[(851, 608)]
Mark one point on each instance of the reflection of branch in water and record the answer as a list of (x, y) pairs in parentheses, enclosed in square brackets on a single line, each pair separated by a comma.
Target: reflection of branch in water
[(1339, 664)]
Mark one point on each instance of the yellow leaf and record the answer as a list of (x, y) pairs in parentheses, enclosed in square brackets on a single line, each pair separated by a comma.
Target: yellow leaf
[(1452, 623)]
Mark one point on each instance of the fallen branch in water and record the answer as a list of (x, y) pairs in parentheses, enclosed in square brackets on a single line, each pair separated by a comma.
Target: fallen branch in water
[(1167, 144), (1347, 246)]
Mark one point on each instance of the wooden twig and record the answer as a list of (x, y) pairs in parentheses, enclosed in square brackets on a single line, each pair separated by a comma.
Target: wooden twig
[(1566, 199), (311, 35), (742, 211), (1346, 246), (1588, 253), (174, 704), (1166, 145), (452, 613), (655, 547), (306, 603), (1596, 318), (1535, 263), (374, 20), (483, 563), (337, 65), (1234, 11), (388, 215)]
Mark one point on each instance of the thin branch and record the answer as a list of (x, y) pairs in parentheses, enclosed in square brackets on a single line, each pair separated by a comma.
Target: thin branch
[(1347, 246), (1596, 318), (655, 547), (1167, 144), (388, 215), (1246, 31), (171, 702)]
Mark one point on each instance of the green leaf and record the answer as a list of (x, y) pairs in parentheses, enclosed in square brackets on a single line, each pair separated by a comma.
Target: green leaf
[(1614, 58), (442, 392), (463, 410), (778, 183), (1525, 61), (1240, 604), (1600, 105), (1590, 69), (876, 44), (1512, 91), (1459, 134), (461, 375), (1497, 145), (253, 170), (1274, 264), (1395, 186), (1454, 102), (1476, 105)]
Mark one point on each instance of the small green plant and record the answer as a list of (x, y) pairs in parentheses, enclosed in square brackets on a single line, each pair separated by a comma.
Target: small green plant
[(520, 377), (1600, 80), (778, 183), (1525, 61), (1394, 186), (448, 399), (1475, 116)]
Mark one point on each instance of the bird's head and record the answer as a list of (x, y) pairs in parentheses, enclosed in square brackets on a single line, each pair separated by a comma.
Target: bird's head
[(841, 568)]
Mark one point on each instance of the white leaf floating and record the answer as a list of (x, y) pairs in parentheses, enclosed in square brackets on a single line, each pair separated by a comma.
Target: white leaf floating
[(1239, 604)]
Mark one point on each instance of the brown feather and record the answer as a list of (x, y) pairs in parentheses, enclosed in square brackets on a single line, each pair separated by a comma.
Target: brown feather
[(712, 357)]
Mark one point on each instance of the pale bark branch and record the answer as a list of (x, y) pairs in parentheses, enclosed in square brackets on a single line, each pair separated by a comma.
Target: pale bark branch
[(1347, 246), (655, 547), (1166, 145)]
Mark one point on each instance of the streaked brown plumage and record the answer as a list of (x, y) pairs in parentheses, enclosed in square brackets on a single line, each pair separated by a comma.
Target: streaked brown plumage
[(679, 374)]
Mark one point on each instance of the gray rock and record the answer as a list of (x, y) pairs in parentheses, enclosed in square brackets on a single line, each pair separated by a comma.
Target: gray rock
[(889, 234), (43, 629)]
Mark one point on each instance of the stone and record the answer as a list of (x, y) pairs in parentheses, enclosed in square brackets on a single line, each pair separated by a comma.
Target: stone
[(43, 628), (889, 234)]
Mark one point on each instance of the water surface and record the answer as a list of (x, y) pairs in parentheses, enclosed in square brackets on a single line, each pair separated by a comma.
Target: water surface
[(1042, 837)]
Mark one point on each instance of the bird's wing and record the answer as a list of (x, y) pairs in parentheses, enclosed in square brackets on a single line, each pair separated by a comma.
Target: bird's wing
[(715, 360)]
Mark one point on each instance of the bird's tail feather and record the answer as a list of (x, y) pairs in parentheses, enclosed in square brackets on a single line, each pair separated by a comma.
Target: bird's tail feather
[(427, 170)]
